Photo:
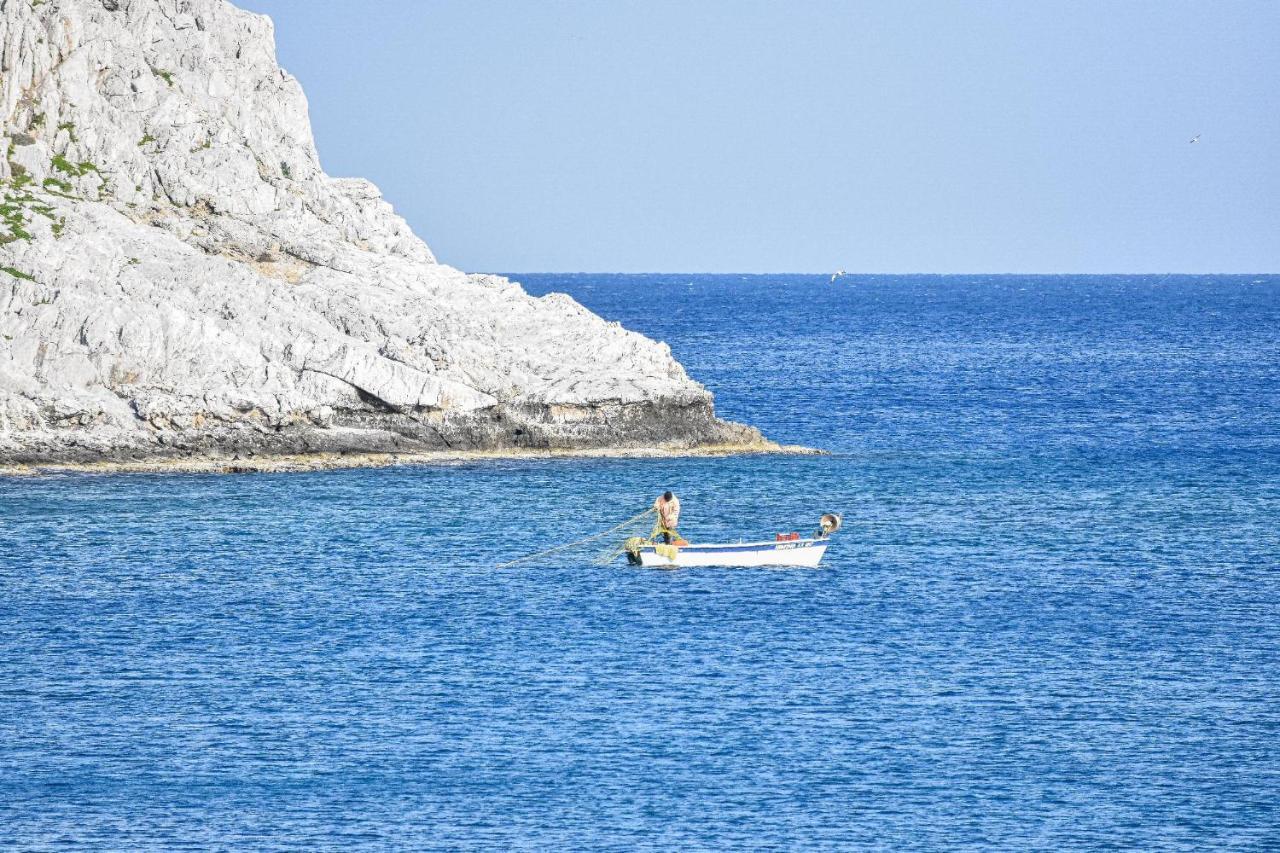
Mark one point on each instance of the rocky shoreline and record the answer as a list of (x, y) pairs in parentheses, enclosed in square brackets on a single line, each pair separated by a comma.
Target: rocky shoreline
[(374, 440), (296, 463)]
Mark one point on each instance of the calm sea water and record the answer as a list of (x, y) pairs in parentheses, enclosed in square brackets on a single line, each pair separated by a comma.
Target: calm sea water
[(1052, 621)]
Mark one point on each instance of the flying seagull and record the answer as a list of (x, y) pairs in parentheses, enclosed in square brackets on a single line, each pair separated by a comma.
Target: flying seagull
[(1195, 139), (837, 274)]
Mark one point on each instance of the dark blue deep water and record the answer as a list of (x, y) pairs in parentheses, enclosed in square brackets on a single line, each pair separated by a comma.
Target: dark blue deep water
[(1052, 621)]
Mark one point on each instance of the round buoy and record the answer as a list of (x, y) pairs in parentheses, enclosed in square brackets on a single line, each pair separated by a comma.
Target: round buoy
[(829, 523)]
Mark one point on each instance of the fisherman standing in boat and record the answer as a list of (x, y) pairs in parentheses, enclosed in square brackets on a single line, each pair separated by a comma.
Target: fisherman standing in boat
[(668, 509)]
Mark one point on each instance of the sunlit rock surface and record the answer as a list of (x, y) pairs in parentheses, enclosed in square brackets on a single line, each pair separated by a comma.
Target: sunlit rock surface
[(181, 278)]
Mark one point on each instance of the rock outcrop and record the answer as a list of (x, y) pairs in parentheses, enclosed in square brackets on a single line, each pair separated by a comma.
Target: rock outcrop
[(182, 279)]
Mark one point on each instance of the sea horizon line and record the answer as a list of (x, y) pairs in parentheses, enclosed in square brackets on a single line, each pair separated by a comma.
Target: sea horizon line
[(510, 273)]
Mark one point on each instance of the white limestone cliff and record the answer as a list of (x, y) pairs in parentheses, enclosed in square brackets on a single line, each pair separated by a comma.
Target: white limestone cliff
[(181, 278)]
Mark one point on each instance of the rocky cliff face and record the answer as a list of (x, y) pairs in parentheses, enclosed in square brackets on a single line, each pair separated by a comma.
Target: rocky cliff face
[(181, 278)]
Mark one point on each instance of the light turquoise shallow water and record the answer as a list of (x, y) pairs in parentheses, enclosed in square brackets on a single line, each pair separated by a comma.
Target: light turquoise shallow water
[(1051, 620)]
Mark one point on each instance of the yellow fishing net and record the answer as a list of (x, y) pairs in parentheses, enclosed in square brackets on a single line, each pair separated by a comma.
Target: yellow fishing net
[(667, 551)]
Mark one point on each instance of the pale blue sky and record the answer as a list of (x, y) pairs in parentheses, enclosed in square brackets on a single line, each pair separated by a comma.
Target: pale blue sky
[(740, 136)]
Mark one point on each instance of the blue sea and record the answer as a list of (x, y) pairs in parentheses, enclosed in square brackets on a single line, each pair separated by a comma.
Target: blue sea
[(1052, 620)]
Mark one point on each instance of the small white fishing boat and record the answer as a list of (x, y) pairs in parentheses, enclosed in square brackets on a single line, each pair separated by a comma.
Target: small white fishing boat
[(786, 550), (792, 552)]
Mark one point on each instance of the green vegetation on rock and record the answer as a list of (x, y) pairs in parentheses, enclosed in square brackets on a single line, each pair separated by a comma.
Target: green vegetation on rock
[(18, 274), (62, 164), (81, 169), (20, 204), (13, 213)]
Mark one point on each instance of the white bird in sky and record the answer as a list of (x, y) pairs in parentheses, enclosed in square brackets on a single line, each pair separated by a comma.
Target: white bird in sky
[(837, 274), (1195, 139)]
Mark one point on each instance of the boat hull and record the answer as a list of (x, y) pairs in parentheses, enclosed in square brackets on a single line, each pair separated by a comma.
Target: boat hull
[(806, 553)]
